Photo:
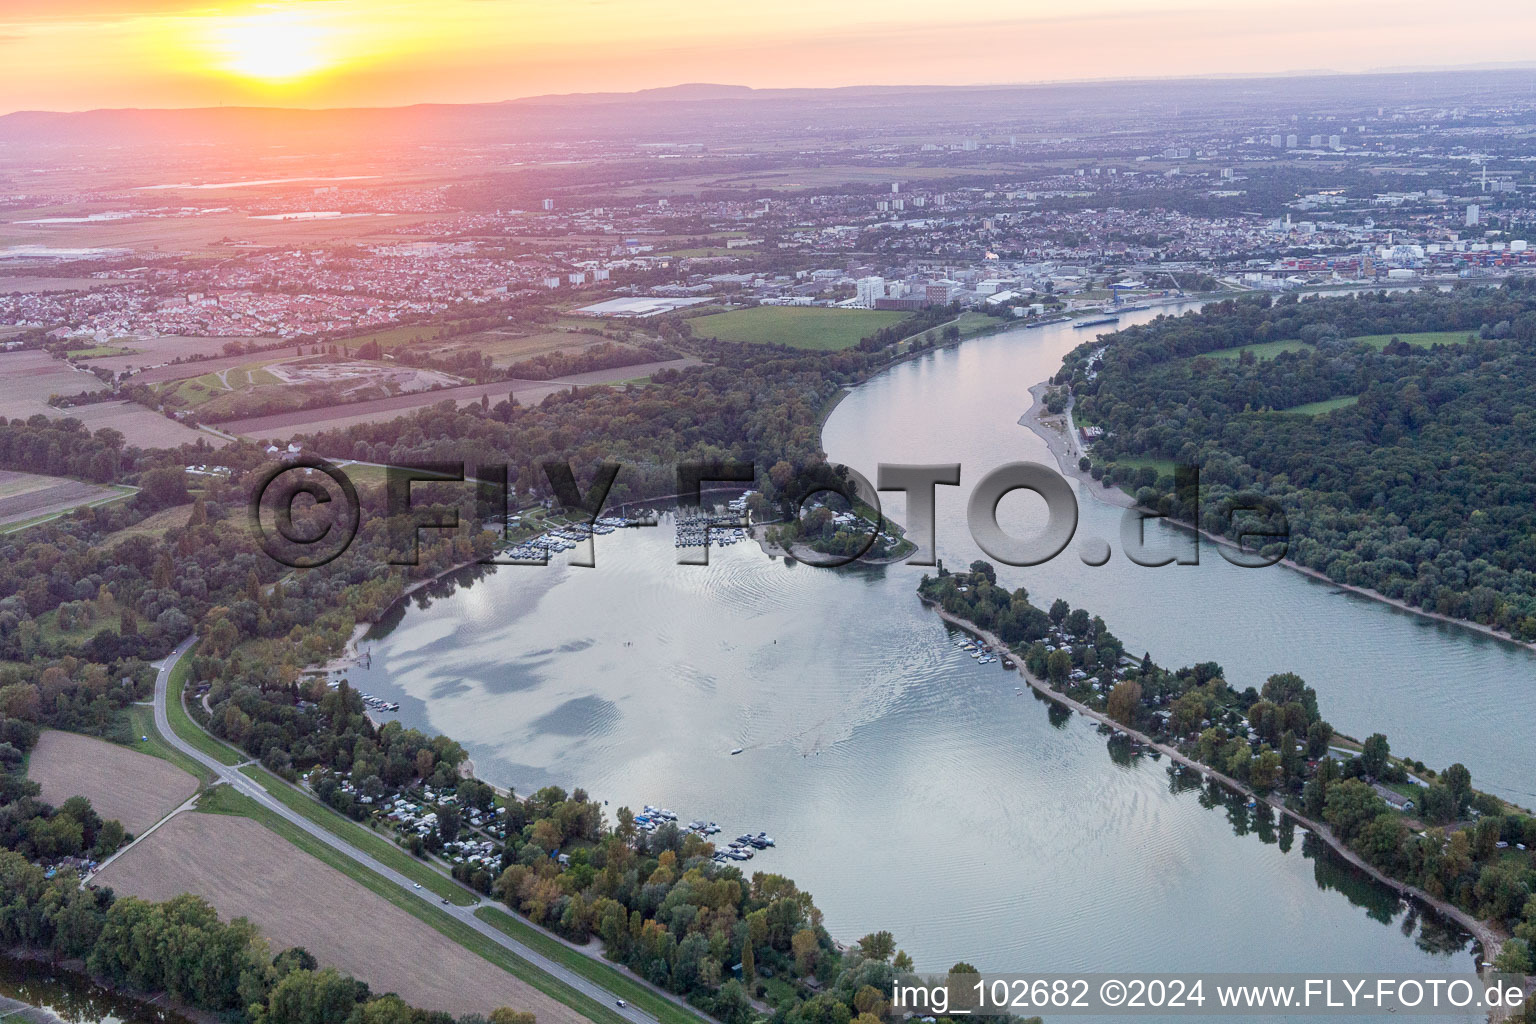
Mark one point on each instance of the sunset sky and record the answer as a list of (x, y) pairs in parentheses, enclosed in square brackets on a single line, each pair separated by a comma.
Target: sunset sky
[(80, 54)]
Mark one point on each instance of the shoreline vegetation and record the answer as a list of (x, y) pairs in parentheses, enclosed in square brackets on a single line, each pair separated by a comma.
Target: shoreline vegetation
[(1384, 426), (802, 975), (1289, 757), (660, 906), (58, 989), (1056, 432), (1490, 940)]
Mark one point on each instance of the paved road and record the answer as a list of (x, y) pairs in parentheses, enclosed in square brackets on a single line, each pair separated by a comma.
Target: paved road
[(233, 777)]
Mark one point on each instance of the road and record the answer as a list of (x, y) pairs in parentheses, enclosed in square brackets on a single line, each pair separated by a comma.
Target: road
[(466, 915)]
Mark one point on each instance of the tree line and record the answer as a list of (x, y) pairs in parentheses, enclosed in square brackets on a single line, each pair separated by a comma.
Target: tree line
[(182, 948), (1416, 486), (1455, 843)]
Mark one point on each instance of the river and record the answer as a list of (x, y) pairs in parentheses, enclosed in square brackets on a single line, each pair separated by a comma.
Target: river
[(65, 995), (911, 789)]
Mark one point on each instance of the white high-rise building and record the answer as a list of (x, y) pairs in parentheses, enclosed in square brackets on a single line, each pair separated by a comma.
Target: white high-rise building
[(870, 289), (1474, 215)]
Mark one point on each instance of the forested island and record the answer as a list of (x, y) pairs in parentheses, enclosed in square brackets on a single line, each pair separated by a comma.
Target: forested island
[(1425, 829), (1396, 431)]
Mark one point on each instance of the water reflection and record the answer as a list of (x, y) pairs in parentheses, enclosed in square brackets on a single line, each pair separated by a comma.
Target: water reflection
[(71, 997), (1442, 693), (913, 790), (908, 787)]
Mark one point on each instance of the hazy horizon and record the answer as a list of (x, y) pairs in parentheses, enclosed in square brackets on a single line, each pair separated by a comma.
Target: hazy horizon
[(78, 55), (914, 86)]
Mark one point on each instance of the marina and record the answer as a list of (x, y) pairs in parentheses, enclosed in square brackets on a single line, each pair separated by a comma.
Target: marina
[(743, 848), (722, 527), (374, 703), (564, 537)]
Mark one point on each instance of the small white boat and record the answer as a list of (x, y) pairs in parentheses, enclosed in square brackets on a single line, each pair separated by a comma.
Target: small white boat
[(737, 751)]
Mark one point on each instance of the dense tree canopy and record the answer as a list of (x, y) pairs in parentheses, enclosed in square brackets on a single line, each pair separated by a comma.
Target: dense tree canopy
[(1421, 489)]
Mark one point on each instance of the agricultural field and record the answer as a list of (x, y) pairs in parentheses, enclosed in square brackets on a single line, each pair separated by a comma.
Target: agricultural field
[(141, 427), (143, 352), (507, 345), (202, 234), (13, 285), (793, 179), (26, 497), (281, 426), (406, 336), (172, 372), (29, 378), (811, 327), (245, 870), (709, 253), (136, 789), (98, 352)]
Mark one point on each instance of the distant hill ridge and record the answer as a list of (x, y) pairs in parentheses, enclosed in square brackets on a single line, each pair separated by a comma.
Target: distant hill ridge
[(694, 110)]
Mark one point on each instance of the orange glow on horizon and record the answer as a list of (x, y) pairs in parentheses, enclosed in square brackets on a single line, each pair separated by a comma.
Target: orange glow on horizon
[(78, 54)]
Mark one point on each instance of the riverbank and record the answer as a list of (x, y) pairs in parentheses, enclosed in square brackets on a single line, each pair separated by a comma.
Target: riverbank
[(1489, 938), (1060, 437), (810, 556), (351, 655), (59, 990)]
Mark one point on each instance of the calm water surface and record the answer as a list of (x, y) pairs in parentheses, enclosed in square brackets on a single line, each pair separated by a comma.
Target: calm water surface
[(910, 788), (69, 997)]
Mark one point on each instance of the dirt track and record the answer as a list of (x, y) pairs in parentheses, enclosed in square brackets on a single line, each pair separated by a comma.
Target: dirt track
[(246, 871)]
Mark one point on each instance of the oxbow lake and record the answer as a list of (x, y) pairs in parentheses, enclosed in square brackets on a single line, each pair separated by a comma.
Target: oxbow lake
[(909, 788)]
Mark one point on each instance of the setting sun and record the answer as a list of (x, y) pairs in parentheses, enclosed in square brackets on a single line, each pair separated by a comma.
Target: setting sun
[(272, 45)]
